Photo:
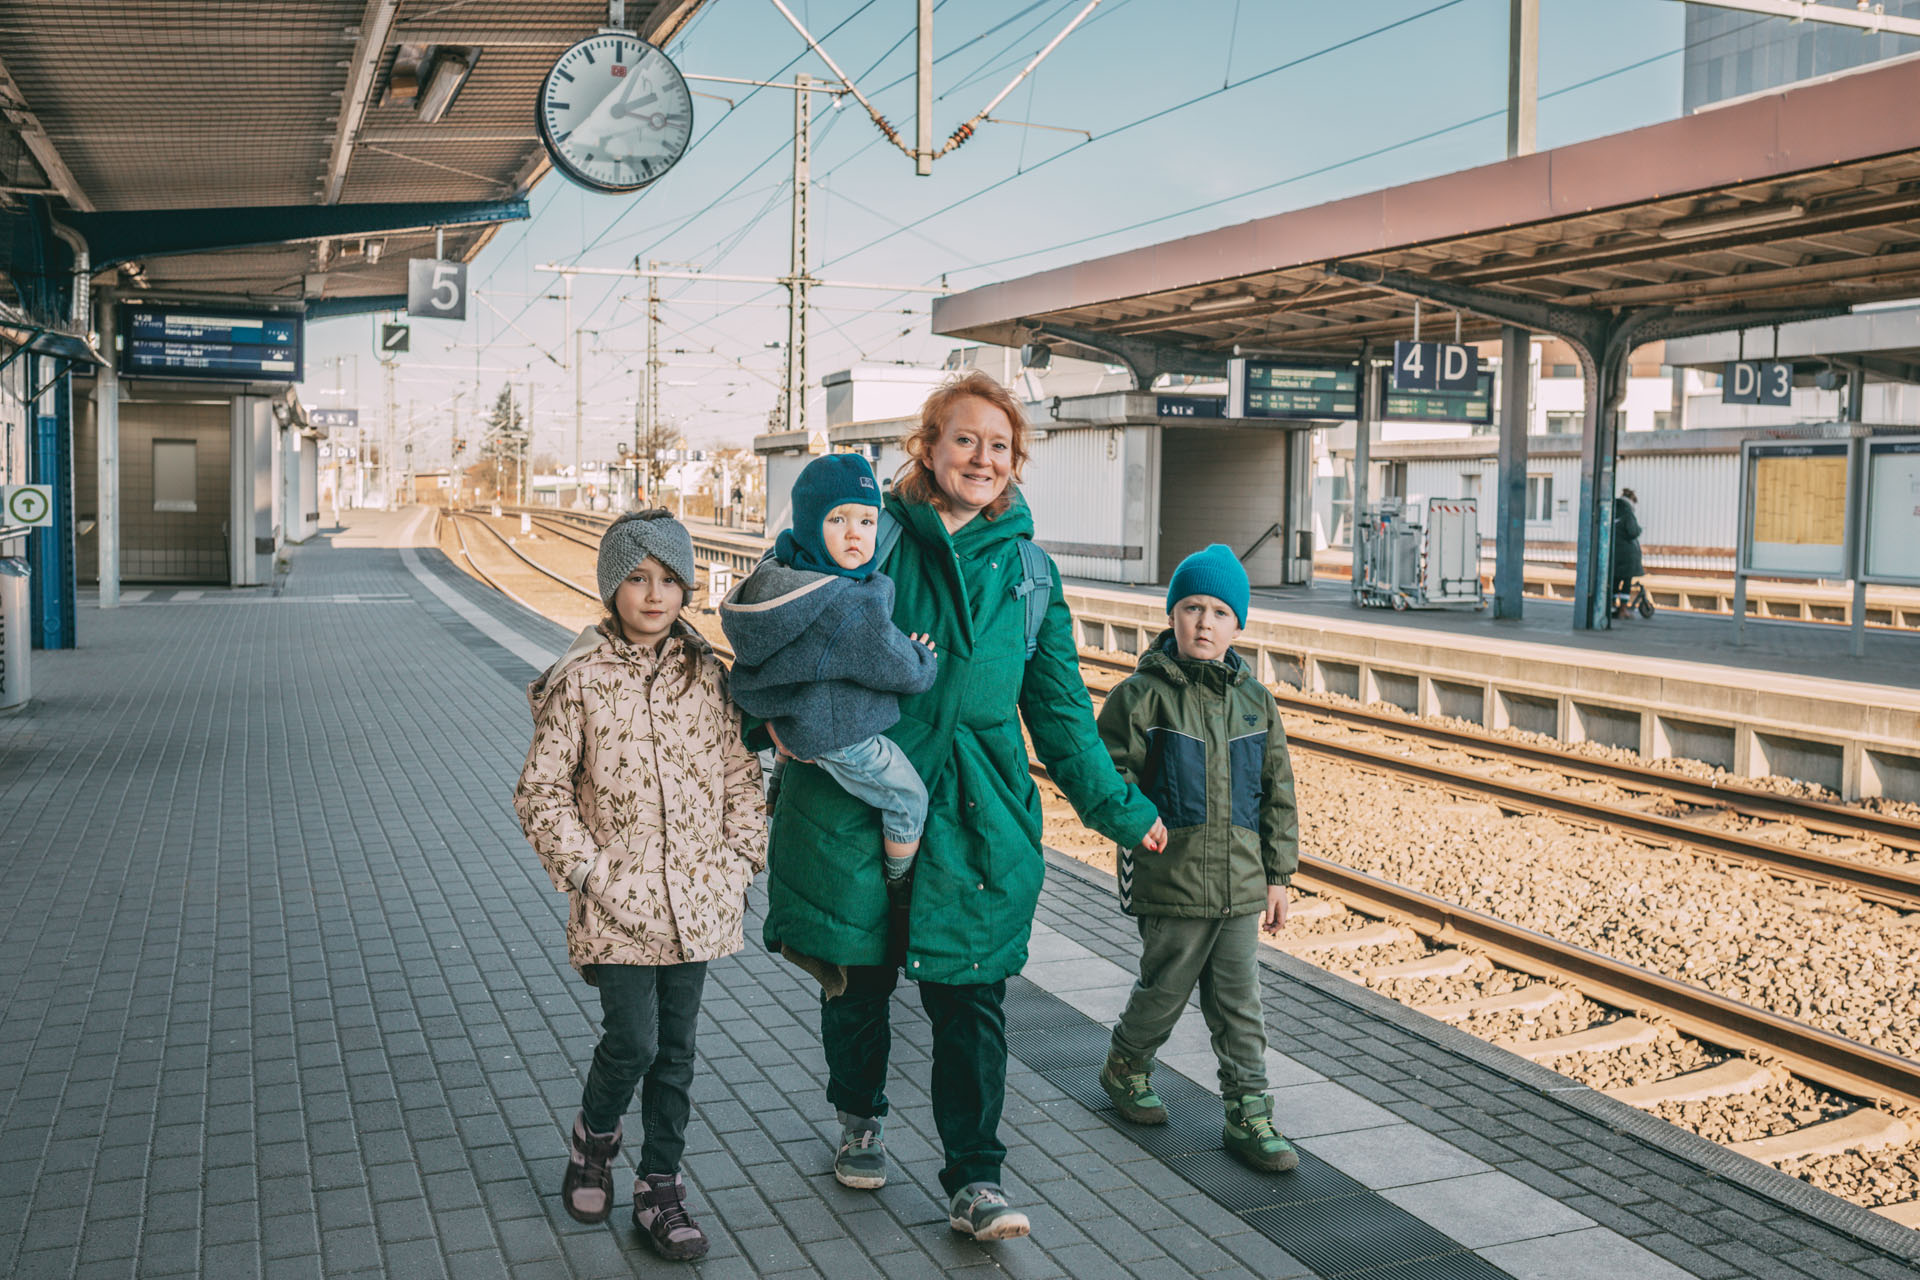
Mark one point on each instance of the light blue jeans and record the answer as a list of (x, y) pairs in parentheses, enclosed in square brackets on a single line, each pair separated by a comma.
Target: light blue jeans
[(876, 772)]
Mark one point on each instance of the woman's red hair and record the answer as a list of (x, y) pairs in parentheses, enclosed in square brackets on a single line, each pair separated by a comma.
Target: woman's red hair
[(914, 482)]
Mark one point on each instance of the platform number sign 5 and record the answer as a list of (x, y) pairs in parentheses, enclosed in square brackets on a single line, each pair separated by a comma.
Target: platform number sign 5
[(1757, 382), (436, 290), (1434, 366)]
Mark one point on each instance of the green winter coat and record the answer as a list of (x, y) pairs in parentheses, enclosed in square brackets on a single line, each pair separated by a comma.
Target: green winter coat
[(977, 880), (1204, 741)]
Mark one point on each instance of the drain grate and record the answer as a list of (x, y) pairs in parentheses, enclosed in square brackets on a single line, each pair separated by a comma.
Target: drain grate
[(1328, 1221)]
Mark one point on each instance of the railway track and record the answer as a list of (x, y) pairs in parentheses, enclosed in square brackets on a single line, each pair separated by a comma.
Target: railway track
[(1752, 1048)]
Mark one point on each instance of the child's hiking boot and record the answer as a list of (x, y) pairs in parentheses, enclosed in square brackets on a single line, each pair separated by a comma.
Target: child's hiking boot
[(980, 1210), (861, 1162), (1251, 1137), (587, 1190), (660, 1210), (1126, 1083)]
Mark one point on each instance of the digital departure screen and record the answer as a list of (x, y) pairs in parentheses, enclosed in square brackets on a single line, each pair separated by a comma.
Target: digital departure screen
[(1474, 406), (1294, 389), (227, 344)]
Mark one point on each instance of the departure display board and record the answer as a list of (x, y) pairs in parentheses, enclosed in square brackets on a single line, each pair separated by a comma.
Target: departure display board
[(1892, 550), (229, 344), (1797, 508), (1327, 391), (1474, 406)]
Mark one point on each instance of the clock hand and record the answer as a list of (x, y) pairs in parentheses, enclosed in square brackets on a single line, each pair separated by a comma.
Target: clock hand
[(623, 108)]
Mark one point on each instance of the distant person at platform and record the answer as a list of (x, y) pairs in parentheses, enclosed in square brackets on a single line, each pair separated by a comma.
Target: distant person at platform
[(962, 926), (1627, 562), (646, 810), (816, 653), (1194, 729)]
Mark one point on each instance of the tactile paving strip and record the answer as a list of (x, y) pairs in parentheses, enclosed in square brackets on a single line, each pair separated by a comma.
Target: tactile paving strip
[(1321, 1216)]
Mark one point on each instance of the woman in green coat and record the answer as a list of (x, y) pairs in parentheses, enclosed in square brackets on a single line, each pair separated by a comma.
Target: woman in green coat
[(956, 571)]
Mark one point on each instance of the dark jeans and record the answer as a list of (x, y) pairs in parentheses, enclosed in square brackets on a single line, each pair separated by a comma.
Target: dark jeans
[(969, 1086), (649, 1015)]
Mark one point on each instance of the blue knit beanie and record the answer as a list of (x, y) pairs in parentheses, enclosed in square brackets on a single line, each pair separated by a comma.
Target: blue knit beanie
[(829, 481), (1214, 572)]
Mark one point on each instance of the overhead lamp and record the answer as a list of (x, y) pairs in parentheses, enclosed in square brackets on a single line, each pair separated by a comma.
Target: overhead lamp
[(452, 64), (1221, 304), (1758, 215), (1036, 355)]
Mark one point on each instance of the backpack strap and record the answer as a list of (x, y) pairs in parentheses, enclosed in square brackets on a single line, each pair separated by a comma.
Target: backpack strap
[(1035, 587), (887, 535)]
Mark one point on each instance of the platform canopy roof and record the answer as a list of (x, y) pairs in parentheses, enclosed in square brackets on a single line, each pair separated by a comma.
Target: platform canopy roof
[(256, 147), (1791, 203)]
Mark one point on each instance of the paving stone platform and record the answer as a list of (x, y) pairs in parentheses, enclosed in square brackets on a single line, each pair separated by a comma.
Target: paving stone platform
[(286, 994)]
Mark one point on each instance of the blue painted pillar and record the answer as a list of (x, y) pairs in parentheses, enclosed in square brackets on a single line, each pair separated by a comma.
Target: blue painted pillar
[(50, 548)]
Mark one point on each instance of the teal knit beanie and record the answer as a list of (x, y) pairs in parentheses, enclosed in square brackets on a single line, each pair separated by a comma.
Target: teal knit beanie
[(1214, 572)]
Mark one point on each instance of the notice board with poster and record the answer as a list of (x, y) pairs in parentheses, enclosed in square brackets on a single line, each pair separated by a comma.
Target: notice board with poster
[(1796, 499), (1891, 550)]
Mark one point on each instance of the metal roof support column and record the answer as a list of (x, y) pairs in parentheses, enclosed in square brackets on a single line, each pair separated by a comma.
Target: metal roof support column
[(1369, 404), (106, 430), (1510, 501), (1602, 369)]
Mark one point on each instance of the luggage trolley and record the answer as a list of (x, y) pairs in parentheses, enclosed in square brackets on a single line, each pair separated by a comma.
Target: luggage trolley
[(1409, 565)]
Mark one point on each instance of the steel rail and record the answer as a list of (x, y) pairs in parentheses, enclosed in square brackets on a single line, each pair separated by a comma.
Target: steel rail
[(1879, 884), (528, 560), (1821, 816), (467, 553), (1821, 1056)]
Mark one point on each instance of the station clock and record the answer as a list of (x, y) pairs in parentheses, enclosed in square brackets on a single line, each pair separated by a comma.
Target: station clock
[(614, 112)]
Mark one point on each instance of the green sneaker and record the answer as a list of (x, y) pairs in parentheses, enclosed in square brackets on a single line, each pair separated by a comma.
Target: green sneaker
[(980, 1210), (1251, 1138), (1126, 1083), (861, 1162)]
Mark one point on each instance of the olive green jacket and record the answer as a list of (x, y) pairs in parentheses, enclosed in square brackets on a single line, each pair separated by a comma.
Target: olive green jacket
[(977, 879), (1204, 741)]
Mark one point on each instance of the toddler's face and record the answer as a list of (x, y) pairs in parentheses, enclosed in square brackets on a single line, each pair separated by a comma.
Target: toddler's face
[(1204, 627), (849, 531), (649, 602)]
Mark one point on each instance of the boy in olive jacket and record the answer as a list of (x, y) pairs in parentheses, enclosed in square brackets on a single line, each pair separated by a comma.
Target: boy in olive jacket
[(1202, 738)]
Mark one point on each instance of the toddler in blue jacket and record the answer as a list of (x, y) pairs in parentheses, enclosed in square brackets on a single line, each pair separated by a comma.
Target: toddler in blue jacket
[(816, 654)]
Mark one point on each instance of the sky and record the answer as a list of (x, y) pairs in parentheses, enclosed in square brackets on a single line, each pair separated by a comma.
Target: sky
[(1202, 114)]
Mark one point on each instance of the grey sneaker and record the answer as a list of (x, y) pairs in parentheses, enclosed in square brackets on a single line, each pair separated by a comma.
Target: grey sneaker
[(861, 1162), (980, 1210)]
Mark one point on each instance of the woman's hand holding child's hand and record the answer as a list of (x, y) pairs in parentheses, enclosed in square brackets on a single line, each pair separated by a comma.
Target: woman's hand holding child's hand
[(1156, 838)]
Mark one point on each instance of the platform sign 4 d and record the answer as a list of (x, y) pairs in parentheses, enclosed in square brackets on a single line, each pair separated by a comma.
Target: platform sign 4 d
[(1434, 366), (1757, 382), (26, 504)]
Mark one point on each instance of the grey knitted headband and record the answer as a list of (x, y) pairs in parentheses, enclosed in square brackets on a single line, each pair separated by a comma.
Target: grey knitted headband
[(634, 537)]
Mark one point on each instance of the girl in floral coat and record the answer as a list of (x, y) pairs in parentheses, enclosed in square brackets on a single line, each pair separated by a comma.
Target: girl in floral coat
[(647, 811)]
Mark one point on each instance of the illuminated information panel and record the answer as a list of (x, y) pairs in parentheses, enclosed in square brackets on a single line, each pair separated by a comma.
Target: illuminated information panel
[(1327, 391), (228, 344), (1474, 406)]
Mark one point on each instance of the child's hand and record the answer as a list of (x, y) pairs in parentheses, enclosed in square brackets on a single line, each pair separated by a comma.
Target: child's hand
[(1275, 918), (921, 637), (1156, 838)]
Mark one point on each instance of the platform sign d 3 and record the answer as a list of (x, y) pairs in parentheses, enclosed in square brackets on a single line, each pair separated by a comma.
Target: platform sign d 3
[(1434, 366), (26, 504), (1757, 382), (436, 289)]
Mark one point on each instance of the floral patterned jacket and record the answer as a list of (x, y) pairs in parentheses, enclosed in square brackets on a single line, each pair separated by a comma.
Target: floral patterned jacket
[(641, 800)]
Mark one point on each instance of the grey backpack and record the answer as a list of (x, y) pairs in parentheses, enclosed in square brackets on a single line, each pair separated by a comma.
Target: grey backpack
[(1036, 575)]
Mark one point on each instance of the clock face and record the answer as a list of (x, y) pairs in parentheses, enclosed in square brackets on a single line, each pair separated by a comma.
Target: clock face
[(615, 113)]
